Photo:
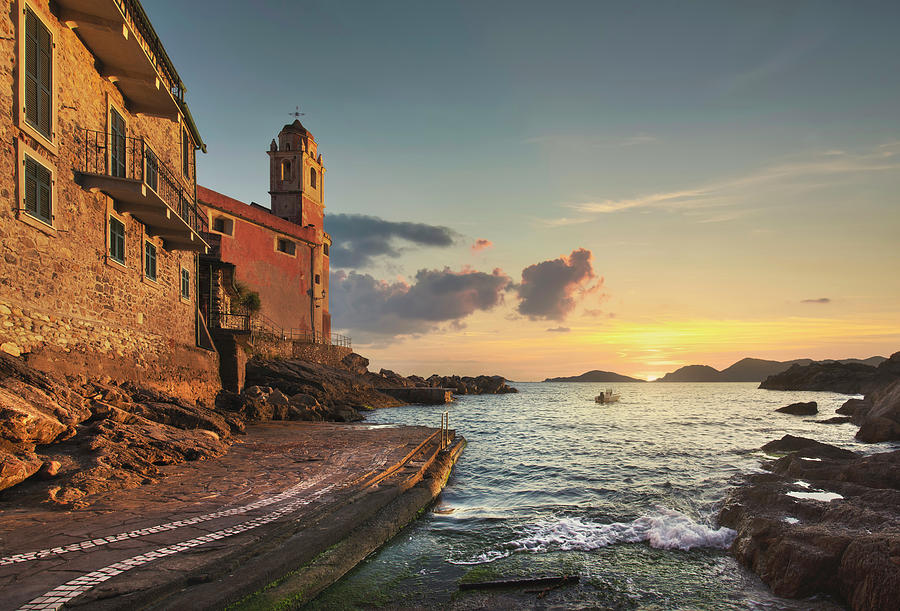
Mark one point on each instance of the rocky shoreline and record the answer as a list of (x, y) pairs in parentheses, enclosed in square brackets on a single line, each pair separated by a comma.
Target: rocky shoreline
[(66, 440), (823, 519)]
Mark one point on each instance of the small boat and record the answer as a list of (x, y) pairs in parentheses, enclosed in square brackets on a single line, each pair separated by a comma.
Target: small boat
[(607, 396)]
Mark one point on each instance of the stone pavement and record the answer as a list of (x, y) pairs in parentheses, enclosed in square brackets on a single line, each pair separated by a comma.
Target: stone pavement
[(214, 532)]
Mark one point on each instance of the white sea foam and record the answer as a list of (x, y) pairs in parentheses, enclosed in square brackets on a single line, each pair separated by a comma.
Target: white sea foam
[(663, 529), (801, 483), (812, 459), (790, 520), (817, 496)]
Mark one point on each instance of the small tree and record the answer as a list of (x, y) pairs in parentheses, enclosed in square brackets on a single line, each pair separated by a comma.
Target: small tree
[(247, 298)]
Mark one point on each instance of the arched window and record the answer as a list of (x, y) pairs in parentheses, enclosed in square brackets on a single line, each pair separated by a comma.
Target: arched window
[(287, 146), (285, 170), (312, 178)]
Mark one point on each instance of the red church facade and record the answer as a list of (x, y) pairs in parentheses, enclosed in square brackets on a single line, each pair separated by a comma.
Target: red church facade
[(281, 254)]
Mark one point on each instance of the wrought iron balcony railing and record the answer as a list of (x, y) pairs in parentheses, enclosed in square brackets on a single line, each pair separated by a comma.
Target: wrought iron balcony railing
[(137, 18), (133, 162)]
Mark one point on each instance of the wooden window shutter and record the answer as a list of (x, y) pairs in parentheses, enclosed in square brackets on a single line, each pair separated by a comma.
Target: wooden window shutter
[(31, 186), (38, 190), (38, 74)]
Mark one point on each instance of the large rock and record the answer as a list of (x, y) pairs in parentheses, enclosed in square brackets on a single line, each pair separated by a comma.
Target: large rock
[(356, 364), (807, 448), (337, 388), (847, 378), (466, 385), (855, 408), (801, 545), (851, 378), (23, 422), (809, 408), (16, 468), (881, 422)]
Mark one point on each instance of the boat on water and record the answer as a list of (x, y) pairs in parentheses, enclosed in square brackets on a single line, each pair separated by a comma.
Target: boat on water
[(607, 396)]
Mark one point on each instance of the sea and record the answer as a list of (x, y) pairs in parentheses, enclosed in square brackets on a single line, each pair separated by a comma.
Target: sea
[(625, 496)]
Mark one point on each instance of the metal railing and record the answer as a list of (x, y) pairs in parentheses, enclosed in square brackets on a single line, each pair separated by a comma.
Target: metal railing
[(229, 321), (445, 429), (128, 157), (262, 325), (137, 19)]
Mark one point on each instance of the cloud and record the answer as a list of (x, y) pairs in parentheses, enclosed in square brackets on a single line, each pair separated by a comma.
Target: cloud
[(481, 244), (581, 141), (811, 172), (550, 290), (640, 138), (678, 199), (783, 60), (360, 238), (819, 300), (559, 330), (373, 309)]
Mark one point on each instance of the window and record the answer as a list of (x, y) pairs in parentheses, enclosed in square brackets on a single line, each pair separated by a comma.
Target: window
[(38, 191), (38, 94), (185, 153), (318, 279), (286, 246), (116, 240), (185, 284), (150, 260), (224, 225), (325, 249), (312, 178), (151, 168), (285, 170), (117, 144)]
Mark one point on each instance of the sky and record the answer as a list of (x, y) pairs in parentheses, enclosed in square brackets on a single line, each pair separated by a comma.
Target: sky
[(535, 190)]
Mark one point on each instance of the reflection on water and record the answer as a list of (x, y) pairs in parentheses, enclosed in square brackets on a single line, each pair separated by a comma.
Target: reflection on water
[(624, 495)]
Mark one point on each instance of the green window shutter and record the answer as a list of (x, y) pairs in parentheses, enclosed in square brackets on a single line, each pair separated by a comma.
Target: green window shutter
[(151, 172), (185, 154), (38, 190), (117, 146), (38, 74), (185, 284), (116, 240), (150, 260)]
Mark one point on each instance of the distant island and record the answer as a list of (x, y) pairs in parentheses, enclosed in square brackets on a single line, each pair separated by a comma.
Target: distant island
[(596, 376), (745, 370), (749, 370)]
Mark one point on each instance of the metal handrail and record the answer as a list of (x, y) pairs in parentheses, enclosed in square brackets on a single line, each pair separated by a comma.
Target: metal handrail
[(137, 18), (260, 324), (129, 157), (229, 321), (445, 429)]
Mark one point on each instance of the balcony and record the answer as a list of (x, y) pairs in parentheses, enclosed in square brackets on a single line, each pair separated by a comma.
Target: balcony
[(128, 171), (118, 33)]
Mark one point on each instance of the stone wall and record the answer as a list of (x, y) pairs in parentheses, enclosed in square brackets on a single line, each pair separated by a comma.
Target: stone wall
[(273, 348), (75, 346), (320, 353), (62, 291)]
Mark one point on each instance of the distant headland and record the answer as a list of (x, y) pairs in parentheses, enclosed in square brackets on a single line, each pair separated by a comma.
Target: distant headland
[(745, 370), (596, 376)]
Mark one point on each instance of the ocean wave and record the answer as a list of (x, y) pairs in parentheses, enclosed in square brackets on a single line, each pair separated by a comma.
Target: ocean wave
[(663, 529)]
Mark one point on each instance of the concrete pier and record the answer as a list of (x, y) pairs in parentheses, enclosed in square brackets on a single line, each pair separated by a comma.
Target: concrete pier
[(427, 396), (279, 518)]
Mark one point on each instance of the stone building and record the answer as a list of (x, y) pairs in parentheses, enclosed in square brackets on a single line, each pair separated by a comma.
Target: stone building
[(281, 253), (99, 228)]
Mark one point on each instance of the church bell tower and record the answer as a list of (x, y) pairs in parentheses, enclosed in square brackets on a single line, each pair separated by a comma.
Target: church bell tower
[(296, 177)]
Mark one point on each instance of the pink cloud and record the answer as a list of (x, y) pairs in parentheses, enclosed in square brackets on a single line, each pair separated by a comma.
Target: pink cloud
[(481, 244)]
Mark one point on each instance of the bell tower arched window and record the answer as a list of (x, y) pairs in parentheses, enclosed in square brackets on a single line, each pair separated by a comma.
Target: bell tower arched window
[(285, 170), (312, 178)]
